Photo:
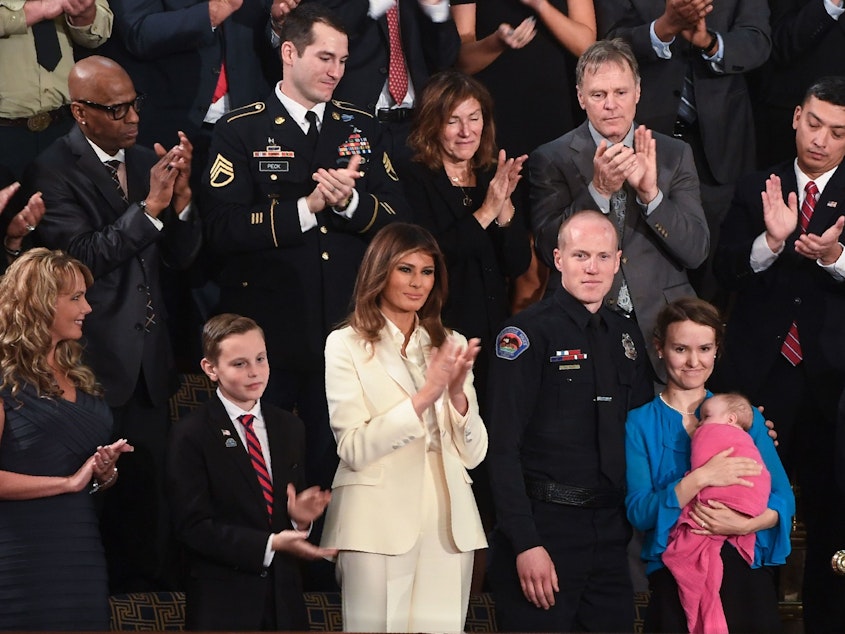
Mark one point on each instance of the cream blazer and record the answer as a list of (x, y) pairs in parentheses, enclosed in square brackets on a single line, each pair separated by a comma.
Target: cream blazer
[(377, 490)]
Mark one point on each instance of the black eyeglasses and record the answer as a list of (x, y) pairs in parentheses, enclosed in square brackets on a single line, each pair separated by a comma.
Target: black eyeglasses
[(119, 110)]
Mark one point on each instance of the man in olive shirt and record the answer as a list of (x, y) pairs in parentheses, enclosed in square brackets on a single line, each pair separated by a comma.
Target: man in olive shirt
[(36, 55)]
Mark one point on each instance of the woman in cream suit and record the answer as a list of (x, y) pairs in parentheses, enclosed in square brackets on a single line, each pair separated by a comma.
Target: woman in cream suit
[(405, 418)]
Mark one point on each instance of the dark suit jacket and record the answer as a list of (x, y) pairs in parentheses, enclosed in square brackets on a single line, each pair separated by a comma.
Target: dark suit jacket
[(87, 218), (724, 108), (174, 57), (793, 288), (219, 514), (656, 250), (428, 47), (479, 261), (296, 285)]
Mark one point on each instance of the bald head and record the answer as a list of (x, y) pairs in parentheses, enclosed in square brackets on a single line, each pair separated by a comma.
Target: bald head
[(101, 93), (94, 74)]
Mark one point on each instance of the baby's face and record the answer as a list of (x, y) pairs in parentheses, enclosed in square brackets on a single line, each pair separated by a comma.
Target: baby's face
[(715, 410)]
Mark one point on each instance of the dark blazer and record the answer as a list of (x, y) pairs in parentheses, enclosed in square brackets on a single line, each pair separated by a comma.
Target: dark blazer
[(87, 218), (656, 250), (220, 516), (296, 285), (724, 107), (428, 47), (479, 261), (793, 288), (174, 57)]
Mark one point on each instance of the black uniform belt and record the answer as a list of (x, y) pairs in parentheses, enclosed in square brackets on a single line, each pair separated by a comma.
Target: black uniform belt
[(394, 115), (550, 491), (37, 122)]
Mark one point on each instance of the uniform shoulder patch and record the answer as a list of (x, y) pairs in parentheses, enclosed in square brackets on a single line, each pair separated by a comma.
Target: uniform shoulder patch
[(346, 105), (245, 111), (388, 168), (511, 342), (222, 172)]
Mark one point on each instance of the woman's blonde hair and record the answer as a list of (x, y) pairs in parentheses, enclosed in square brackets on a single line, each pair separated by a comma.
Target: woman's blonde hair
[(28, 294), (388, 247)]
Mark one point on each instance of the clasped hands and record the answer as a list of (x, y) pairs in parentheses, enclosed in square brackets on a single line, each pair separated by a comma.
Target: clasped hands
[(781, 219), (617, 164), (101, 466), (334, 186), (497, 205), (303, 508), (25, 220), (687, 19), (448, 367), (170, 177)]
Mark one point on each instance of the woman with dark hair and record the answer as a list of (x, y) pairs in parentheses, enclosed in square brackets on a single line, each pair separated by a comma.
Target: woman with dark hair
[(687, 336), (405, 418), (53, 425), (462, 193)]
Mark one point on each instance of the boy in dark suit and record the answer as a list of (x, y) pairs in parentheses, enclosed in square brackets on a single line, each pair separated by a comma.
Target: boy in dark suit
[(226, 468)]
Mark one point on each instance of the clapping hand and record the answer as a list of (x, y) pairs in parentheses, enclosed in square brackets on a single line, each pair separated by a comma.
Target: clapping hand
[(106, 457), (307, 505)]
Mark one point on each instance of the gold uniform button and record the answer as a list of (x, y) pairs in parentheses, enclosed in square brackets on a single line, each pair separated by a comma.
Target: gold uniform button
[(244, 284), (324, 230), (279, 120), (273, 177), (325, 255)]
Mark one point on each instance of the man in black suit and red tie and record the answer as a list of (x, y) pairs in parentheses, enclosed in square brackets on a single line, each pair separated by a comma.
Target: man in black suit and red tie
[(781, 251), (126, 212), (234, 467)]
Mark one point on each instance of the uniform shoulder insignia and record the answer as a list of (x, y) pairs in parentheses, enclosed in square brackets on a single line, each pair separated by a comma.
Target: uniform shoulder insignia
[(388, 168), (346, 105), (245, 111), (629, 346), (511, 342), (222, 172)]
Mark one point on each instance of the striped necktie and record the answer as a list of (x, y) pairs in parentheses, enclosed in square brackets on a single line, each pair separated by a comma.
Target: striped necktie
[(253, 446), (791, 348), (113, 166)]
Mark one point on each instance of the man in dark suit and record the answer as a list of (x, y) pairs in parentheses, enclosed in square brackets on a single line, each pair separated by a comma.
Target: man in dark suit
[(693, 56), (123, 221), (429, 43), (808, 42), (233, 470), (645, 182), (784, 346), (295, 188)]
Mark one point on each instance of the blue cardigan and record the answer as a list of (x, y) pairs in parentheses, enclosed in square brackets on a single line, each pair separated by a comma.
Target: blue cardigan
[(658, 455)]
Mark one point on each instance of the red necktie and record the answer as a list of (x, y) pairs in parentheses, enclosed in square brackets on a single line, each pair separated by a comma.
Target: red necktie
[(791, 347), (397, 78), (257, 458)]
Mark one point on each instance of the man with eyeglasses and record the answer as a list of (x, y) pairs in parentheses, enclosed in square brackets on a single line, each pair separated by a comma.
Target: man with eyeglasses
[(126, 212)]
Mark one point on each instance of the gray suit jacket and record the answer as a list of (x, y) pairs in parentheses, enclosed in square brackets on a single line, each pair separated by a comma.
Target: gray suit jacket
[(656, 250)]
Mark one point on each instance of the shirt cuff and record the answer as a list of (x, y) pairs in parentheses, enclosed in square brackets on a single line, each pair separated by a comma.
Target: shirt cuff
[(716, 60), (762, 257), (379, 7), (186, 214), (601, 201), (647, 209), (158, 224), (438, 13), (269, 552), (661, 48), (307, 220), (837, 269), (350, 208), (833, 10)]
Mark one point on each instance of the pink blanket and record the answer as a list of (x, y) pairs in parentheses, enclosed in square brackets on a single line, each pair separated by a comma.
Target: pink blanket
[(695, 560)]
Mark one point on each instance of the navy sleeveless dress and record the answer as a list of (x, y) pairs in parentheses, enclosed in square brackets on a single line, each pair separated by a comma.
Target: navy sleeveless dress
[(52, 566)]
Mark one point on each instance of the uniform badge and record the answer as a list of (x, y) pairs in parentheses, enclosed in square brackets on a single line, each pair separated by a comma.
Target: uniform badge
[(568, 355), (335, 116), (388, 167), (230, 442), (630, 348), (831, 203), (273, 166), (222, 172), (272, 151), (225, 432), (346, 118), (511, 342), (355, 144)]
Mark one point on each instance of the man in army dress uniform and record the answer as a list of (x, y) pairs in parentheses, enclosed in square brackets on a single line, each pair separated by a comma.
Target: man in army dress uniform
[(296, 187), (564, 375)]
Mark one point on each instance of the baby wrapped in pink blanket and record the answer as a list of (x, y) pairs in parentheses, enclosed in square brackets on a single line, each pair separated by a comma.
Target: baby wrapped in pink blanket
[(695, 560)]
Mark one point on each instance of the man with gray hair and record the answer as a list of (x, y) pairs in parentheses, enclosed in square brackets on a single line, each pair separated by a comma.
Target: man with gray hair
[(644, 182)]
